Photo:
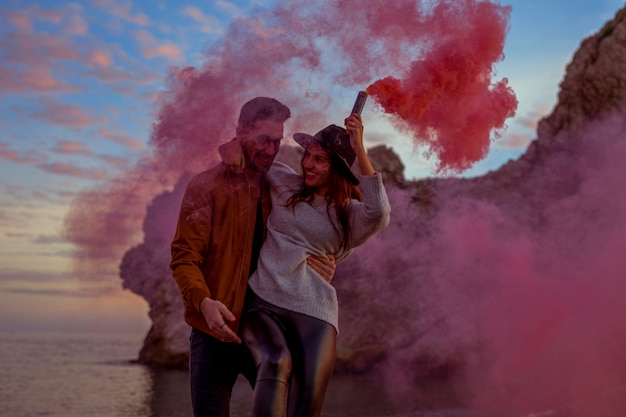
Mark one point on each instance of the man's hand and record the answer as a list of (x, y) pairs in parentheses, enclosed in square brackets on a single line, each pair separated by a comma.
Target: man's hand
[(323, 265), (232, 156), (216, 315)]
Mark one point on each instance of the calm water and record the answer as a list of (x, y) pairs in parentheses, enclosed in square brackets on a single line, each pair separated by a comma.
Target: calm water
[(92, 375)]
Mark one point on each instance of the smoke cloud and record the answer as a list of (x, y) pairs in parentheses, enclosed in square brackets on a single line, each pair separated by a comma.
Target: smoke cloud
[(304, 53), (522, 290), (447, 100), (517, 294)]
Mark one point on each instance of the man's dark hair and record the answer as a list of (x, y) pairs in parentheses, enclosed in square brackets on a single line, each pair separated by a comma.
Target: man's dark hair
[(263, 108)]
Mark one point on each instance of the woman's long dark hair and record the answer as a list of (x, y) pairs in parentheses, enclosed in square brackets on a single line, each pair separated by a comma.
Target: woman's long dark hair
[(339, 194)]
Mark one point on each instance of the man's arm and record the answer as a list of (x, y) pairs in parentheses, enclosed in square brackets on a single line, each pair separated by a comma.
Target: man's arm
[(188, 248), (325, 266)]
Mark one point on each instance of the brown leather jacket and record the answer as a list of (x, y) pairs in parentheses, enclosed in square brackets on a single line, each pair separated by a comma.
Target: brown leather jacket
[(212, 246)]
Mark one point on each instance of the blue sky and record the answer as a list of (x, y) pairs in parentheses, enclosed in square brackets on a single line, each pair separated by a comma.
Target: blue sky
[(78, 87)]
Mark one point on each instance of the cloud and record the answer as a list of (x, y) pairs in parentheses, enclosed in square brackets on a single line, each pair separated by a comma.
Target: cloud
[(72, 170), (71, 147), (208, 24), (513, 141), (15, 235), (55, 112), (33, 78), (167, 50), (117, 162), (123, 11), (529, 121), (75, 23), (42, 49), (81, 292), (31, 276), (48, 239), (42, 197), (122, 139), (132, 76), (30, 58), (99, 57), (229, 8), (28, 46), (20, 157), (151, 48)]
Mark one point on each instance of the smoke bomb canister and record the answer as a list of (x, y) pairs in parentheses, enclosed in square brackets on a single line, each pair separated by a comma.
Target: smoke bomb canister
[(359, 103)]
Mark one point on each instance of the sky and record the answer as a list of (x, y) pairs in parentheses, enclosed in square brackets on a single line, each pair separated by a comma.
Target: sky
[(79, 87)]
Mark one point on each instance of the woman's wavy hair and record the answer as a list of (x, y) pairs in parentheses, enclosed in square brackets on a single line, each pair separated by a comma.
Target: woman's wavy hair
[(340, 194)]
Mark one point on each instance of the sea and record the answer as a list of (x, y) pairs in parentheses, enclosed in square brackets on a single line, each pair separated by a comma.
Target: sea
[(96, 375)]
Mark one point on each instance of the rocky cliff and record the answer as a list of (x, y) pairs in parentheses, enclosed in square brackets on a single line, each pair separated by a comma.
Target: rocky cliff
[(484, 273)]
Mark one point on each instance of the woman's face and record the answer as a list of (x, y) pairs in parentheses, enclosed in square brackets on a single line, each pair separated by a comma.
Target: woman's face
[(316, 167)]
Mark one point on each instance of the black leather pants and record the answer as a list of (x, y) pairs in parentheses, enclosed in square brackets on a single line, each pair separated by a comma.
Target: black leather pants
[(295, 357)]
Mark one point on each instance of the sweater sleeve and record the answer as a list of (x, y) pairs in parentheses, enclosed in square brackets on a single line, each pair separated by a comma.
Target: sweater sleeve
[(369, 216), (281, 174)]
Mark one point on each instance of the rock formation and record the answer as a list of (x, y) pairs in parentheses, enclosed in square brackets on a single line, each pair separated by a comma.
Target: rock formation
[(427, 295)]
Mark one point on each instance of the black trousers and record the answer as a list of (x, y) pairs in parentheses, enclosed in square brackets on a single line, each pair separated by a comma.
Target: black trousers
[(213, 370), (294, 355)]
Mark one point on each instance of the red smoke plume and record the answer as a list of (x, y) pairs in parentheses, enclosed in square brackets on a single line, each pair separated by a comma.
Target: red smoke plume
[(447, 99)]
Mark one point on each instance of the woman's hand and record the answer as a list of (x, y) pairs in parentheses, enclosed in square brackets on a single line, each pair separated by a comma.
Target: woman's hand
[(232, 156), (354, 126)]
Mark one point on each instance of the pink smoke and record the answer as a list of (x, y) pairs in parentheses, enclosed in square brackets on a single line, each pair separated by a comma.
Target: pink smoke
[(447, 100), (300, 53), (522, 289)]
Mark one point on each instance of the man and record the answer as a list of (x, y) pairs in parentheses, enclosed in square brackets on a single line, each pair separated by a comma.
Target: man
[(221, 227)]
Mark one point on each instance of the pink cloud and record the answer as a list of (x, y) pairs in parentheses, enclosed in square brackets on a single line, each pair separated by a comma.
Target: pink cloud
[(15, 235), (33, 47), (75, 25), (228, 7), (49, 239), (208, 24), (74, 171), (19, 157), (122, 10), (31, 276), (50, 15), (135, 76), (123, 139), (19, 19), (117, 162), (37, 61), (38, 79), (514, 141), (62, 114), (70, 147), (30, 58), (151, 48), (99, 58), (166, 50)]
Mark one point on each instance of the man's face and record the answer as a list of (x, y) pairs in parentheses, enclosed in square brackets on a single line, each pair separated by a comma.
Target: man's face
[(260, 143)]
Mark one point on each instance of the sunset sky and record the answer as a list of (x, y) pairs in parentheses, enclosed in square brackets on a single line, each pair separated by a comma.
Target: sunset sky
[(78, 87)]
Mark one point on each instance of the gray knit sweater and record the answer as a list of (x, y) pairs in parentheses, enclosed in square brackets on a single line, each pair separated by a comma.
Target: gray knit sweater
[(283, 277)]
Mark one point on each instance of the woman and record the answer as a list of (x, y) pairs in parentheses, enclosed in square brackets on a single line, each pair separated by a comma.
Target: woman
[(291, 319)]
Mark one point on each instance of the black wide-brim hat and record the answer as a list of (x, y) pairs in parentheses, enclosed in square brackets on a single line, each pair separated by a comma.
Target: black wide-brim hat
[(336, 141)]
